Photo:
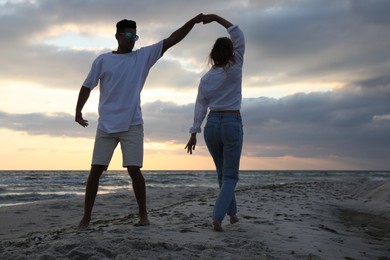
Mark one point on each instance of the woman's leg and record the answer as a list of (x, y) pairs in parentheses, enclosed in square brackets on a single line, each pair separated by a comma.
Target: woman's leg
[(231, 136), (224, 141)]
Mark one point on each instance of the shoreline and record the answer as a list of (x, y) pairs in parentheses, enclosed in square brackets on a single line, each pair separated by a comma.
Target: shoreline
[(38, 186), (290, 221)]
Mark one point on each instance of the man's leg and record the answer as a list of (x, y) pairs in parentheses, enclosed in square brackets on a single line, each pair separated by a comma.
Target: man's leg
[(90, 193), (140, 193)]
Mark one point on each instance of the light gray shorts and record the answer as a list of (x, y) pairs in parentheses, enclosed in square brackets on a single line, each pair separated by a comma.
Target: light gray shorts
[(132, 146)]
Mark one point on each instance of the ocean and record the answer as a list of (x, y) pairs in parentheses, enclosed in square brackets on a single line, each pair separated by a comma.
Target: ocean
[(21, 187)]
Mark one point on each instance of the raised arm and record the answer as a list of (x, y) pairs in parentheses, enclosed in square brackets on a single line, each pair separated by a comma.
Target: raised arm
[(181, 33), (83, 97), (216, 18), (236, 35)]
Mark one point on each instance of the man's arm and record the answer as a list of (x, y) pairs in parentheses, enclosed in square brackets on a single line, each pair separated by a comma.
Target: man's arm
[(83, 97), (180, 33)]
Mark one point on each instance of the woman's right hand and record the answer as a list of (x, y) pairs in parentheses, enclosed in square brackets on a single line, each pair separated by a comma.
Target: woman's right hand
[(191, 144)]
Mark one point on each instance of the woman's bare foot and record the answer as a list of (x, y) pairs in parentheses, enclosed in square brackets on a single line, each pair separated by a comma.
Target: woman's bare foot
[(84, 223), (233, 219), (143, 221), (217, 225)]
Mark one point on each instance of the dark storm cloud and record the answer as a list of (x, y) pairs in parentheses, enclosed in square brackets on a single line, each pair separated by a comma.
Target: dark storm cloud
[(342, 123)]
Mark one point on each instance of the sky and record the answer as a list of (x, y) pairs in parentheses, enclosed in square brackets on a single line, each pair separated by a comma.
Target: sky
[(316, 82)]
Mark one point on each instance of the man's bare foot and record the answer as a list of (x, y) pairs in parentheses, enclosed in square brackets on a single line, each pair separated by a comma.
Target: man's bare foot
[(217, 225), (84, 223), (233, 219), (143, 221)]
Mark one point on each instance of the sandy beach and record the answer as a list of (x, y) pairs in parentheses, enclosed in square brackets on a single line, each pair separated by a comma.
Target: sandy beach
[(292, 221)]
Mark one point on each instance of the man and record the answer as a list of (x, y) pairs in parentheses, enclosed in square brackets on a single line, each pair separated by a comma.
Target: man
[(122, 74)]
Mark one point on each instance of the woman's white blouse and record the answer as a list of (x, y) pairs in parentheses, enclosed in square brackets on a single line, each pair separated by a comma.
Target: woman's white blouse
[(220, 89)]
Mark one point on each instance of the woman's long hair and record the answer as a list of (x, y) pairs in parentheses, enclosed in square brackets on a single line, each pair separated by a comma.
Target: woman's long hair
[(222, 53)]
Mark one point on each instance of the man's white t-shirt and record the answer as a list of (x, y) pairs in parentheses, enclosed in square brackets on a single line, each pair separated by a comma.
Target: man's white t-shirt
[(122, 77)]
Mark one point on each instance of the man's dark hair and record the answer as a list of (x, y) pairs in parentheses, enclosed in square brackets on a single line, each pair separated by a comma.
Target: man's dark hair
[(123, 24)]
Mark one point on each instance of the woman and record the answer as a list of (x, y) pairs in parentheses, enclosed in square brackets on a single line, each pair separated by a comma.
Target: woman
[(220, 91)]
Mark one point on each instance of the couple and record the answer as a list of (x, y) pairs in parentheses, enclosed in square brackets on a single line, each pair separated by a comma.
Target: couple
[(122, 74)]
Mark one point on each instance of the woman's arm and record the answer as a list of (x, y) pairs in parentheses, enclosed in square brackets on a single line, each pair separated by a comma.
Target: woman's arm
[(216, 18)]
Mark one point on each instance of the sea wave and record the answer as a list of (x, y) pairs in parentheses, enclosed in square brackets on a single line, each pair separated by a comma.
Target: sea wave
[(18, 187)]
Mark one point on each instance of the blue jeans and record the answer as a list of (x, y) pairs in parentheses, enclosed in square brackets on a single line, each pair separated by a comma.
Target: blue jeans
[(223, 134)]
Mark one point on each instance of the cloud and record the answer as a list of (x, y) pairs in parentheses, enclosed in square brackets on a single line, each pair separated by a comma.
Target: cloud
[(317, 40), (352, 122), (169, 74), (55, 124), (287, 41)]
